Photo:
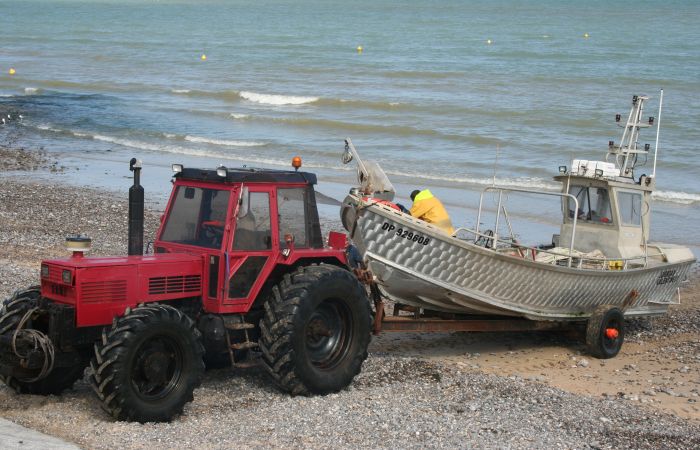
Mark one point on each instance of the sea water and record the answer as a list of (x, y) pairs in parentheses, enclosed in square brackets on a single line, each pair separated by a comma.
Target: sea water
[(447, 95)]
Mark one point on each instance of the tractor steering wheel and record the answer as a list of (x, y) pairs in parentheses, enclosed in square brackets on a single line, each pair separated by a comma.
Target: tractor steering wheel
[(214, 230)]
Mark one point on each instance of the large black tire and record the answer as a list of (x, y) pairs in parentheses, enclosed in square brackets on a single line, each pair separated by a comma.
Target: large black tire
[(148, 364), (605, 332), (14, 308), (315, 331), (59, 379)]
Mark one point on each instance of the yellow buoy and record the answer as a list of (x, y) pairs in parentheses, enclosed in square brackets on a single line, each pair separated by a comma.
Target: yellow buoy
[(359, 49), (586, 35), (489, 41), (204, 57), (12, 71)]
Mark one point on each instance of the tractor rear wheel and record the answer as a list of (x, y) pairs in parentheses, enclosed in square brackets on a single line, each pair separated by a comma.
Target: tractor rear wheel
[(315, 331), (148, 364), (59, 379), (605, 332)]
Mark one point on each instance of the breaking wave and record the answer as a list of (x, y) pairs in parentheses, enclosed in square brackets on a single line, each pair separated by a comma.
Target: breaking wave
[(276, 100), (230, 143), (683, 198)]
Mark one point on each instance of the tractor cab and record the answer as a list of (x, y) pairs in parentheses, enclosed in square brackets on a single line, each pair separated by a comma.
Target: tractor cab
[(245, 222)]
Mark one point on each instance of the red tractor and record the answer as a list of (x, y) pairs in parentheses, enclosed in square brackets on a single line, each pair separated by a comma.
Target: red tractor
[(239, 267)]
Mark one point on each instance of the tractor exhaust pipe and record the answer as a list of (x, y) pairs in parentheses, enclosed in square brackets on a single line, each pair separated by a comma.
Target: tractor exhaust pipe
[(136, 210)]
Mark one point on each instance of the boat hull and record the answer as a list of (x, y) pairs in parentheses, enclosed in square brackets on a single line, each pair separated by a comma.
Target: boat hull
[(438, 272)]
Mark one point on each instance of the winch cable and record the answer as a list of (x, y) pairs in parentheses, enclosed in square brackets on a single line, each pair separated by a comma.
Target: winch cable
[(39, 340)]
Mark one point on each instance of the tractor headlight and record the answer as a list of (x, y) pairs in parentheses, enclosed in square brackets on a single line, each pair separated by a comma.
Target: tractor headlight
[(222, 171), (177, 168), (44, 271), (66, 276)]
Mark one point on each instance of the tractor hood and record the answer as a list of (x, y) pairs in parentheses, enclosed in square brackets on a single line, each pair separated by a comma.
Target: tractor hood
[(103, 287)]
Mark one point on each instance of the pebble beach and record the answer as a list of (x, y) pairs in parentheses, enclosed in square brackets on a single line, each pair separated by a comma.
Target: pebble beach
[(441, 391)]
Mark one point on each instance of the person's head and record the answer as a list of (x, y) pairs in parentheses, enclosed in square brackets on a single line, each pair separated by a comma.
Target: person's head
[(414, 193)]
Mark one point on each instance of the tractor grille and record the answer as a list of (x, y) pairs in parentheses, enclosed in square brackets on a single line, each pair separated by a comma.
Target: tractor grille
[(175, 284), (103, 291), (57, 289)]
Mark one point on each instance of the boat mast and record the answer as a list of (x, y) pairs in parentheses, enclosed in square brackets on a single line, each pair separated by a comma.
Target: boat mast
[(627, 152)]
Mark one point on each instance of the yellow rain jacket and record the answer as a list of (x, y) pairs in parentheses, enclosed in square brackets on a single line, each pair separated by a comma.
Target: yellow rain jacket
[(427, 207)]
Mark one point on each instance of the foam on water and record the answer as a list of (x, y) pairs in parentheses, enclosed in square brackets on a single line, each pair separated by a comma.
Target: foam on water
[(230, 143), (239, 116), (275, 99), (682, 198), (31, 90)]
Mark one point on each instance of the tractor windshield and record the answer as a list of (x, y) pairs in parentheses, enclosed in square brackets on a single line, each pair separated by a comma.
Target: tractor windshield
[(197, 217)]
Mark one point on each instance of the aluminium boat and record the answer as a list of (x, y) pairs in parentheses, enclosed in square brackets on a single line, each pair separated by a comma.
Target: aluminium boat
[(601, 258)]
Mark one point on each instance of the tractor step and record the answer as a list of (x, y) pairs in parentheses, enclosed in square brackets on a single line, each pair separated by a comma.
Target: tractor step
[(247, 364), (244, 345), (236, 326)]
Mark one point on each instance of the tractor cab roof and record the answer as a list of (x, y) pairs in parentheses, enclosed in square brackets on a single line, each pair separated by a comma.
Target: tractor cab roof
[(247, 175)]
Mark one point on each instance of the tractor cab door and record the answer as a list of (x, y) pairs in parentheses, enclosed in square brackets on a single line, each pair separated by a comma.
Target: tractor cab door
[(252, 252)]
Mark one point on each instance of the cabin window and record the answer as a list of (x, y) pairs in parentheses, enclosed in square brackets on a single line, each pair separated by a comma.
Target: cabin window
[(593, 204), (197, 217), (253, 230), (291, 207), (630, 208)]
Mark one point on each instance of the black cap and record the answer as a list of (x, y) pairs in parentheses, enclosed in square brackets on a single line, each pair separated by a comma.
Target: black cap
[(414, 193)]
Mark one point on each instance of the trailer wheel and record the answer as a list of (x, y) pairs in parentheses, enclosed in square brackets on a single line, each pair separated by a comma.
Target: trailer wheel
[(59, 379), (315, 331), (605, 332), (148, 364)]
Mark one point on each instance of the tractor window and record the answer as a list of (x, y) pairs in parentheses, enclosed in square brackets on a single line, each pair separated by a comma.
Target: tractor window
[(253, 229), (630, 208), (197, 217), (291, 207), (593, 204)]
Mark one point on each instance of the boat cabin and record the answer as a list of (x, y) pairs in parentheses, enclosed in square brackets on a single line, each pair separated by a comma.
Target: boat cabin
[(612, 215)]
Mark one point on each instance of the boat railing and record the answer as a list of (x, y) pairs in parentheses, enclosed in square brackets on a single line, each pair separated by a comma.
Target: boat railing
[(573, 258), (501, 190)]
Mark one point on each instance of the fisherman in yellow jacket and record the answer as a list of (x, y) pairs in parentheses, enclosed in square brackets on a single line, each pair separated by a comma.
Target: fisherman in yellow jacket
[(427, 207)]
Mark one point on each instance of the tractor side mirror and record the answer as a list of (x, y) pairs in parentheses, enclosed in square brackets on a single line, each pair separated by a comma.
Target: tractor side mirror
[(243, 209), (189, 193)]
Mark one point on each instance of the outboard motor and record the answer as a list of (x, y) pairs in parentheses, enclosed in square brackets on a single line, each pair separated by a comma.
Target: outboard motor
[(136, 210)]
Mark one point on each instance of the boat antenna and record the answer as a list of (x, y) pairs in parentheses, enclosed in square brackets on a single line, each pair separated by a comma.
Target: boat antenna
[(495, 165), (658, 128)]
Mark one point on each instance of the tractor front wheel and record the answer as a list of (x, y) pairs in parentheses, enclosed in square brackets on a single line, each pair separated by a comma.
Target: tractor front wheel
[(316, 330), (59, 378), (148, 364)]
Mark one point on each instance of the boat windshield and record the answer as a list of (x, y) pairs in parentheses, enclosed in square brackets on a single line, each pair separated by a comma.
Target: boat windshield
[(593, 204), (197, 217)]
